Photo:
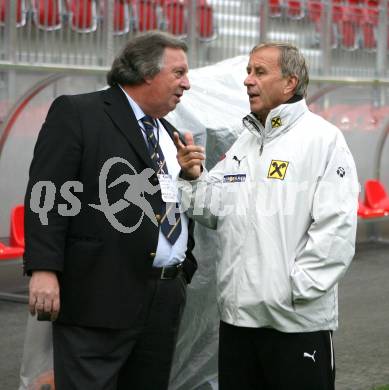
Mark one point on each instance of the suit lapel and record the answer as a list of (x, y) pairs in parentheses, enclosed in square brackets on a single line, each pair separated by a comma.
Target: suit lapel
[(171, 130), (168, 127), (120, 112)]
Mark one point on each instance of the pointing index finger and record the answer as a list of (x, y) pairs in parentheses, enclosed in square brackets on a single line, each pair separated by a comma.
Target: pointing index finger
[(177, 141), (188, 137)]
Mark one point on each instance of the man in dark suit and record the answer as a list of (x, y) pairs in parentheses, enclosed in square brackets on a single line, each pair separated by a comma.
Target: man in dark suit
[(110, 273)]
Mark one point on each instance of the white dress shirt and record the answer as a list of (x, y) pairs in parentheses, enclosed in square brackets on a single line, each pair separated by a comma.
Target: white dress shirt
[(166, 254)]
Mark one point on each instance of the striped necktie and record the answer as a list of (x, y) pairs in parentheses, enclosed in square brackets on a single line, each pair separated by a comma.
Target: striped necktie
[(171, 218)]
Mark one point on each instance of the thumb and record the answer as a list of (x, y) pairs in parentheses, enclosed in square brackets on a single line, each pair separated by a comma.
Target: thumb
[(188, 137)]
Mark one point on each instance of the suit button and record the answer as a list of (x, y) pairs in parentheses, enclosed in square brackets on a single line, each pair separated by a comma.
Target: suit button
[(158, 217), (154, 179), (152, 255)]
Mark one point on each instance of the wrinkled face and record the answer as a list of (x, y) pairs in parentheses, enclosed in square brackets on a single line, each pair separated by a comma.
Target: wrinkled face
[(266, 86), (169, 84)]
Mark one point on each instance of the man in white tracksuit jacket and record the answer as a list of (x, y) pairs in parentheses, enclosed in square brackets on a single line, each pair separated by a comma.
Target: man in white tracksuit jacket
[(284, 203)]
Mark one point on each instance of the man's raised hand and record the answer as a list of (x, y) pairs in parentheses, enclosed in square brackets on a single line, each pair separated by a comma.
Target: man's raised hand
[(189, 156)]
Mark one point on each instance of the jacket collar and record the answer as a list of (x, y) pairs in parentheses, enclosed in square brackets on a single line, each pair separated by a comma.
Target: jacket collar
[(279, 120), (282, 118), (121, 114)]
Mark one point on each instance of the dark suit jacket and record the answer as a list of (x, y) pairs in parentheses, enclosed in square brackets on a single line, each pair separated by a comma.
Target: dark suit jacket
[(102, 272)]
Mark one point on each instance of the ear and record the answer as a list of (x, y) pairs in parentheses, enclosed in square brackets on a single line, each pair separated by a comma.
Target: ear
[(290, 85), (148, 80)]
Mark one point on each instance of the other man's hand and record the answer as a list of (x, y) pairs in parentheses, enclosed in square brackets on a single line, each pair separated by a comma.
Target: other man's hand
[(44, 294)]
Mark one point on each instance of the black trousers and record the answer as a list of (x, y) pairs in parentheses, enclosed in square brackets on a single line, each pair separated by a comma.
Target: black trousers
[(266, 359), (139, 358)]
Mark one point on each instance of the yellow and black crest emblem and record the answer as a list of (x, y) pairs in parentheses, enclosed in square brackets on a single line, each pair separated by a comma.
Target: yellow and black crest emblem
[(277, 169), (276, 122)]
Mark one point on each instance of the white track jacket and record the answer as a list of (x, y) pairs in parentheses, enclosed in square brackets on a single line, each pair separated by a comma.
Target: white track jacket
[(284, 203)]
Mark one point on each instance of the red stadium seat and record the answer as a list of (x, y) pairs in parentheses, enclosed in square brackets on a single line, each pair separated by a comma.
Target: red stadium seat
[(146, 14), (348, 35), (366, 212), (372, 4), (123, 16), (369, 26), (369, 36), (175, 15), (205, 21), (10, 252), (121, 21), (352, 17), (16, 247), (20, 12), (375, 195), (275, 8), (337, 12), (295, 10), (83, 15), (17, 226), (315, 10), (353, 13), (47, 14)]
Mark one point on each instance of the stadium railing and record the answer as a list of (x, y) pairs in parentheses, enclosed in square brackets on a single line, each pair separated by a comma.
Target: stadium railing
[(338, 37)]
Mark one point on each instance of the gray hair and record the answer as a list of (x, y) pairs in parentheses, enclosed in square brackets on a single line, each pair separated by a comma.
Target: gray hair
[(142, 57), (292, 63)]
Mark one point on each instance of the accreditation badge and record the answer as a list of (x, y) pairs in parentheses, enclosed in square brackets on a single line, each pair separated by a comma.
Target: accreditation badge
[(168, 188)]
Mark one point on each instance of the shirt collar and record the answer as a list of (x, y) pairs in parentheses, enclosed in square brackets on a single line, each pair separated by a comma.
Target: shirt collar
[(138, 112)]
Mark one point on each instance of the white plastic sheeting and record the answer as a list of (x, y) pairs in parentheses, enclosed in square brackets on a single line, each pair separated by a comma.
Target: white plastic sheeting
[(212, 110)]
